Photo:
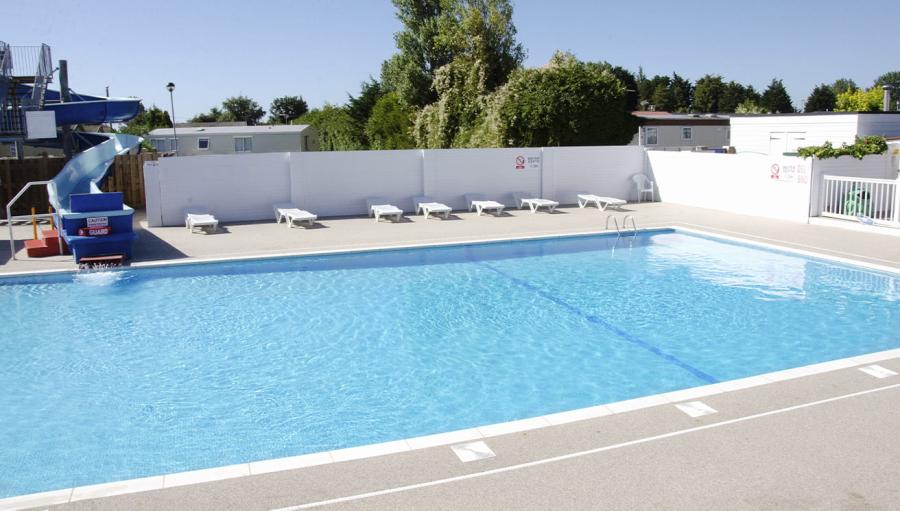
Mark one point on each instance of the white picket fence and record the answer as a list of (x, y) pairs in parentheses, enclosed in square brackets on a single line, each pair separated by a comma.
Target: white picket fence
[(849, 197)]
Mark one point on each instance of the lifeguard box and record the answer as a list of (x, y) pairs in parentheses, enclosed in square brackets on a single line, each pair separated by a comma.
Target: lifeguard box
[(97, 224)]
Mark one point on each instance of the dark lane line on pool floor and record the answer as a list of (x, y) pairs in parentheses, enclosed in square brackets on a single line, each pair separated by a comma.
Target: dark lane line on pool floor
[(597, 320)]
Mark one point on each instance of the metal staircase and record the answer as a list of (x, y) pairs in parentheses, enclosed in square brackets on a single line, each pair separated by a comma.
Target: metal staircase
[(22, 65)]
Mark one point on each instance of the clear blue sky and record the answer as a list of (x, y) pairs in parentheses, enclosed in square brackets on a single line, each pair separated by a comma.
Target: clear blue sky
[(323, 49)]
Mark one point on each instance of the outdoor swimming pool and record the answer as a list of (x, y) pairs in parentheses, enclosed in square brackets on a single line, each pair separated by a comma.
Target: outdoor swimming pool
[(126, 374)]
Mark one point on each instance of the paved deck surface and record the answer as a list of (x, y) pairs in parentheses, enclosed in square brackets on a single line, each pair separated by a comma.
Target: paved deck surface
[(265, 238), (827, 441)]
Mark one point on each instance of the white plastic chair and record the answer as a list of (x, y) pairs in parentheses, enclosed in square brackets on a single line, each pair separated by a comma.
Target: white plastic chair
[(643, 185)]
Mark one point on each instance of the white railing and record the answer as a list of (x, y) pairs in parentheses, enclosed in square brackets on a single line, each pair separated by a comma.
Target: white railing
[(849, 197)]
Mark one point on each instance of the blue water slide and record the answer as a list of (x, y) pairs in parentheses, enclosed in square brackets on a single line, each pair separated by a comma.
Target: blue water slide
[(85, 172), (83, 108)]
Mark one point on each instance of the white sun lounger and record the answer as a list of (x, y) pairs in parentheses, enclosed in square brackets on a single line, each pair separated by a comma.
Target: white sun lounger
[(292, 215), (379, 207), (584, 199), (426, 205), (535, 203), (477, 202), (199, 216)]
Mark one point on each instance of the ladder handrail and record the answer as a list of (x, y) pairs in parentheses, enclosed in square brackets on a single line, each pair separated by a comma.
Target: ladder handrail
[(633, 224), (615, 222), (10, 217)]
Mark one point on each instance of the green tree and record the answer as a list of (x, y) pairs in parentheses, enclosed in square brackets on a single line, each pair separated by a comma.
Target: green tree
[(708, 93), (822, 99), (360, 107), (776, 99), (682, 92), (214, 115), (860, 100), (750, 106), (842, 85), (436, 32), (893, 79), (663, 99), (242, 108), (334, 126), (390, 124), (146, 121), (889, 78), (287, 108), (630, 83), (565, 103)]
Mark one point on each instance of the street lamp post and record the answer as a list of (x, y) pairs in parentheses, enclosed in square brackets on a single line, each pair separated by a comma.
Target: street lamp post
[(171, 88)]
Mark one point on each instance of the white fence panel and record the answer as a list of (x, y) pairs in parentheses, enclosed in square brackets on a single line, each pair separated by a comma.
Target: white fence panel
[(749, 184), (496, 173), (848, 197), (338, 183), (604, 171)]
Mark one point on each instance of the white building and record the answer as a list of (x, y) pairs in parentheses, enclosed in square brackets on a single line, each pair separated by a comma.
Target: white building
[(194, 141), (784, 133), (664, 130)]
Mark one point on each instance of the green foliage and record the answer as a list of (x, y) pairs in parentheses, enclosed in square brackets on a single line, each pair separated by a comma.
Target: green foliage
[(862, 147), (334, 126), (146, 121), (628, 81), (461, 97), (735, 94), (213, 115), (776, 99), (566, 103), (390, 124), (242, 108), (437, 32), (287, 108), (822, 99), (360, 107), (663, 99), (860, 100), (708, 93), (889, 78), (749, 106), (842, 85), (683, 92)]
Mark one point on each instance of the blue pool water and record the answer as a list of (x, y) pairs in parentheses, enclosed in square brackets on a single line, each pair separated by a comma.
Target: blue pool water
[(119, 375)]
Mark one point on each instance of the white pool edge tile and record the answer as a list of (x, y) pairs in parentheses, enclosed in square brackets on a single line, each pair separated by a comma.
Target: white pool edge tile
[(370, 451), (206, 475), (591, 412), (46, 498), (117, 488), (440, 439), (290, 463), (518, 426), (640, 403)]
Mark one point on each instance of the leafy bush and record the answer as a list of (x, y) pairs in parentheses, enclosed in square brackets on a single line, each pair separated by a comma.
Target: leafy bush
[(863, 147)]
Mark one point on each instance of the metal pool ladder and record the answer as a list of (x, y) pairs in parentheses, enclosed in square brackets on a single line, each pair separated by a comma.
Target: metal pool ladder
[(624, 225)]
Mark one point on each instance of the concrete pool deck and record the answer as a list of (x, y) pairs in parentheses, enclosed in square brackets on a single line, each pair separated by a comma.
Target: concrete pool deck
[(255, 239), (819, 441)]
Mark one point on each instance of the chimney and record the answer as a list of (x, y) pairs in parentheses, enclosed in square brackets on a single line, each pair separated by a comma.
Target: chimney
[(886, 104)]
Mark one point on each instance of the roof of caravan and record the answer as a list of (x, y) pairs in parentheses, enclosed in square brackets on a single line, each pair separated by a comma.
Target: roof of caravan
[(232, 130)]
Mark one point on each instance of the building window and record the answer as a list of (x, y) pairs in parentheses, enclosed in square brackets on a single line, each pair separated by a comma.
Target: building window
[(203, 144), (650, 136), (687, 133), (306, 142), (159, 144), (173, 144), (243, 144)]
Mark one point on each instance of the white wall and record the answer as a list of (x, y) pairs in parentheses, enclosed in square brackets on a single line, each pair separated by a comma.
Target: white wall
[(603, 171), (235, 187), (753, 133), (736, 183), (338, 183), (244, 186)]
